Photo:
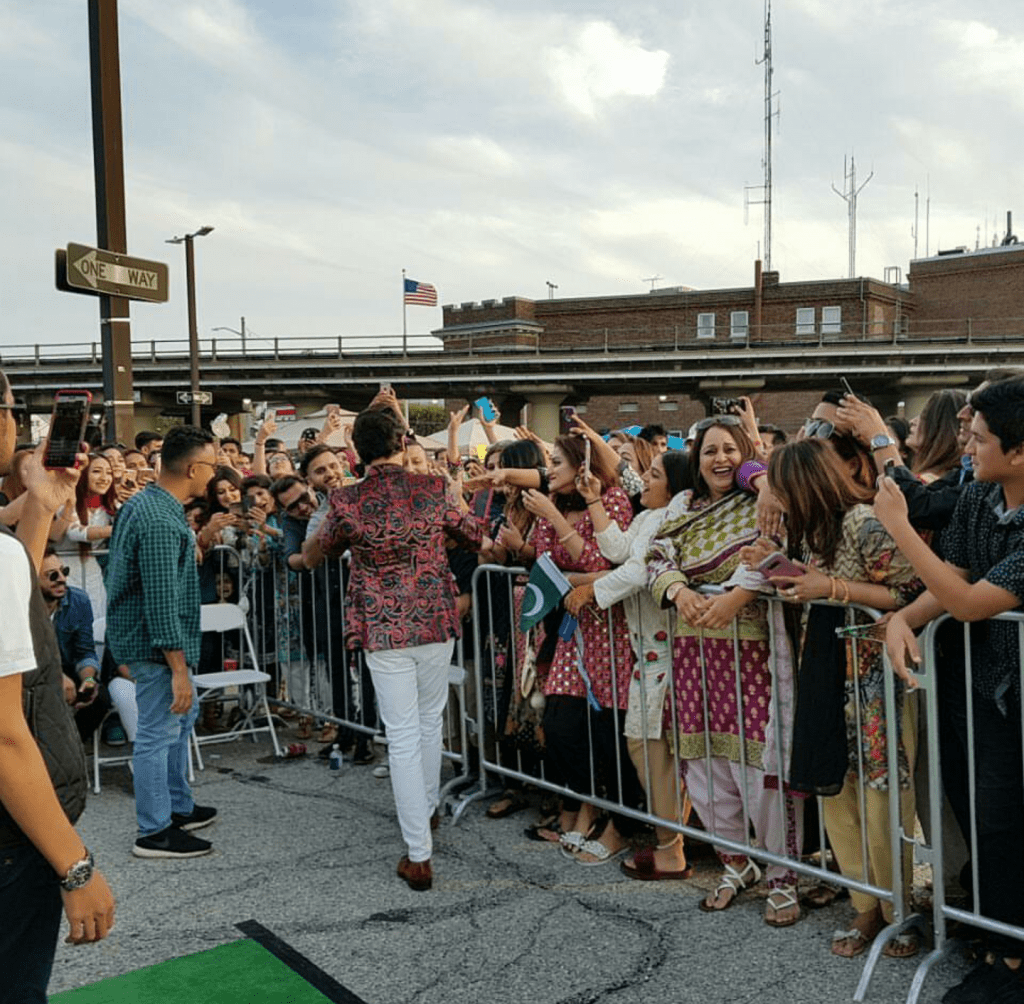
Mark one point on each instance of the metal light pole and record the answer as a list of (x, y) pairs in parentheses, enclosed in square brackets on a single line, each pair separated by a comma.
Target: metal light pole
[(193, 331)]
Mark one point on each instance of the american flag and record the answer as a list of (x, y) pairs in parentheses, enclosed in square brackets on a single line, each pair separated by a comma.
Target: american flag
[(420, 292)]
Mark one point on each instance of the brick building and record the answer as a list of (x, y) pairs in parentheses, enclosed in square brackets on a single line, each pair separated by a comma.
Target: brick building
[(953, 296)]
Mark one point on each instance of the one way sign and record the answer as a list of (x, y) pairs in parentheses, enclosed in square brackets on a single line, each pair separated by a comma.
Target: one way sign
[(93, 270)]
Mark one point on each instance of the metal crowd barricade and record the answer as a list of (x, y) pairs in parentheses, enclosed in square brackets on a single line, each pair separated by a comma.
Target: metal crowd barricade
[(496, 659), (298, 619), (944, 913)]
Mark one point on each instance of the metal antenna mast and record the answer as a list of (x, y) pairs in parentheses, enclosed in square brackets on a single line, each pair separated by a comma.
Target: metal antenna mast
[(766, 161), (850, 198)]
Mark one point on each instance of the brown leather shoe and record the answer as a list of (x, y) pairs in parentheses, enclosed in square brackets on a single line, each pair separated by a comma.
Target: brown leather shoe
[(417, 875)]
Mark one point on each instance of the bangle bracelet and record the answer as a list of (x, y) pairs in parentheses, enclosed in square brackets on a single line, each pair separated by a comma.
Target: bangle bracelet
[(562, 540), (846, 591), (593, 502), (832, 588)]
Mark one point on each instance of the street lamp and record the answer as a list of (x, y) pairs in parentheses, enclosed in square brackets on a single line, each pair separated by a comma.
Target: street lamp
[(193, 333), (234, 331)]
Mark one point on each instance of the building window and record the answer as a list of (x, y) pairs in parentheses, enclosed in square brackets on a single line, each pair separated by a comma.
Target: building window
[(668, 406), (705, 325), (739, 324), (629, 406), (805, 320), (831, 320)]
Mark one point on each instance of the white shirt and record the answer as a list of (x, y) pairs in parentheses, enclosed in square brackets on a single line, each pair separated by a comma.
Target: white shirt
[(16, 652)]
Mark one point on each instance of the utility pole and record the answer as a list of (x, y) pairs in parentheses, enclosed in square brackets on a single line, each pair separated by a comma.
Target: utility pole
[(850, 198), (111, 229), (193, 328)]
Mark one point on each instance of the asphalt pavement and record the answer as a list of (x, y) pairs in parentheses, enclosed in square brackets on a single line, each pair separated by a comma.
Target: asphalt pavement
[(311, 856)]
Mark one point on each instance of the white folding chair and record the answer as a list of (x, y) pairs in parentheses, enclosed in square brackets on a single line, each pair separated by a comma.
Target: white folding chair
[(222, 617)]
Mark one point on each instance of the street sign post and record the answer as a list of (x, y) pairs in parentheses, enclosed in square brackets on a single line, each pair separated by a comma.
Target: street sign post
[(199, 397), (93, 270)]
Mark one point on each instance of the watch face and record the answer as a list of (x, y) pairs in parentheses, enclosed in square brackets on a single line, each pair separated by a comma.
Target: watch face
[(78, 874)]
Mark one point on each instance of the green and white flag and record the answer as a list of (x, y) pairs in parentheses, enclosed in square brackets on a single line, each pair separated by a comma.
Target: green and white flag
[(546, 586)]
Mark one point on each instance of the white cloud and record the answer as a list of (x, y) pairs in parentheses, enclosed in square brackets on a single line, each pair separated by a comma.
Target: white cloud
[(602, 64)]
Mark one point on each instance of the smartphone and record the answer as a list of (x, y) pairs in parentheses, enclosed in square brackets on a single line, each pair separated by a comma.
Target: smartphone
[(779, 564), (68, 420), (586, 458), (846, 384), (486, 408), (145, 475), (385, 388), (566, 411)]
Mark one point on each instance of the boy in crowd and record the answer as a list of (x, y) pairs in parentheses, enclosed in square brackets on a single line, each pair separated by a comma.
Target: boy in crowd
[(982, 576)]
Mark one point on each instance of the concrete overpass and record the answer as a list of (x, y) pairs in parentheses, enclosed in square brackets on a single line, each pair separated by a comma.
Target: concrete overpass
[(348, 370)]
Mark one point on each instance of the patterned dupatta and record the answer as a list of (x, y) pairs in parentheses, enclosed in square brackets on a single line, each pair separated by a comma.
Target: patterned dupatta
[(704, 541)]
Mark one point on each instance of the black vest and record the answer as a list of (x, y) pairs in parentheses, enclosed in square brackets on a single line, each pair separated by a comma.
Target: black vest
[(50, 721)]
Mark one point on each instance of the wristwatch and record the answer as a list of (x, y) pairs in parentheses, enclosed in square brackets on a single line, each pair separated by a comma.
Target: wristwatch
[(79, 873), (881, 441)]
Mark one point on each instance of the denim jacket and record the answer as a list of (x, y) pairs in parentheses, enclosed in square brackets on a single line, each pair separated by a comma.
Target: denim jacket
[(72, 622)]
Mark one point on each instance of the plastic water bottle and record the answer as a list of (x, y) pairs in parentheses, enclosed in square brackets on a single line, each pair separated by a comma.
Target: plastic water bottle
[(335, 760)]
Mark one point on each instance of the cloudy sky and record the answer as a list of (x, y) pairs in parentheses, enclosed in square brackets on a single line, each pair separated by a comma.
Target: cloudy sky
[(488, 147)]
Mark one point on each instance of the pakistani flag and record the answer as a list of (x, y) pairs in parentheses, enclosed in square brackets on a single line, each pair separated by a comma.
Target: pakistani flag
[(546, 586)]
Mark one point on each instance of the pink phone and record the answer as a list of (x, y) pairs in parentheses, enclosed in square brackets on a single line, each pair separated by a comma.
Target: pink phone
[(779, 564)]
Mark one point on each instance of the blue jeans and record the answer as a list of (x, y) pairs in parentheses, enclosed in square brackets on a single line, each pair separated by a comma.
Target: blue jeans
[(160, 758), (30, 904)]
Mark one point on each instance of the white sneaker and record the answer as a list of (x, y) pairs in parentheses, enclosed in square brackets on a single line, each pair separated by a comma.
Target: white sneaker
[(381, 770)]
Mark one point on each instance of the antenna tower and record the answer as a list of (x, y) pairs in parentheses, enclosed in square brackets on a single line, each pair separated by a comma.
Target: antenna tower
[(850, 198), (770, 112)]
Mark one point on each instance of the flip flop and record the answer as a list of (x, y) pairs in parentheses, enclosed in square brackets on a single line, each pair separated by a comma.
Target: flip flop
[(860, 942), (571, 841), (903, 946), (643, 868)]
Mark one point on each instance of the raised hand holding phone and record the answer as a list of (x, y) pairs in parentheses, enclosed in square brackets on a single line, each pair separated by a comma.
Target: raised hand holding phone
[(68, 420)]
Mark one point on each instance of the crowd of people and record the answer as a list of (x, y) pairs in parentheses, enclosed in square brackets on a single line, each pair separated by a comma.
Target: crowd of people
[(667, 681)]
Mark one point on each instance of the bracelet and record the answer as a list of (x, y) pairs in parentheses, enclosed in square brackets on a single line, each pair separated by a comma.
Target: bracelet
[(593, 502), (562, 540), (846, 591), (832, 583)]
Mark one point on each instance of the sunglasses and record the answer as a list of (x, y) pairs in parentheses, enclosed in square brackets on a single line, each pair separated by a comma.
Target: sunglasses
[(818, 428), (19, 409), (301, 500), (56, 574), (710, 423)]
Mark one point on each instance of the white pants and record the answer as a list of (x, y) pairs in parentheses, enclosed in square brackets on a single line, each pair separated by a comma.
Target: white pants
[(778, 823), (122, 696), (412, 690)]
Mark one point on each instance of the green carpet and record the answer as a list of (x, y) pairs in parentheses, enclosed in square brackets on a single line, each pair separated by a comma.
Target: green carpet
[(242, 972)]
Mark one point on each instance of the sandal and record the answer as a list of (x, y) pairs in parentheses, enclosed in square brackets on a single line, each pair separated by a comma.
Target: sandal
[(572, 841), (782, 898), (734, 882), (599, 851), (550, 825), (328, 733), (305, 729), (903, 946), (642, 866), (822, 895), (510, 803), (858, 943)]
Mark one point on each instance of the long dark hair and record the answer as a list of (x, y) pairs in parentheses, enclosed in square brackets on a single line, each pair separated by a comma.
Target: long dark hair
[(108, 500), (677, 471), (816, 490), (739, 435), (572, 449), (938, 428), (221, 474)]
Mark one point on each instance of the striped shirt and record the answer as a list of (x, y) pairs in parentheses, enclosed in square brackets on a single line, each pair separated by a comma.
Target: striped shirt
[(152, 581)]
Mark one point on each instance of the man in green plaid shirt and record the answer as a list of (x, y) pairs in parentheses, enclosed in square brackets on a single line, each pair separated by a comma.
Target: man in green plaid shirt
[(153, 627)]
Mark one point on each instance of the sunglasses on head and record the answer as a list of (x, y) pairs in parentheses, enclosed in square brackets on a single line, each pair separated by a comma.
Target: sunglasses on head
[(818, 428), (710, 423), (56, 574)]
